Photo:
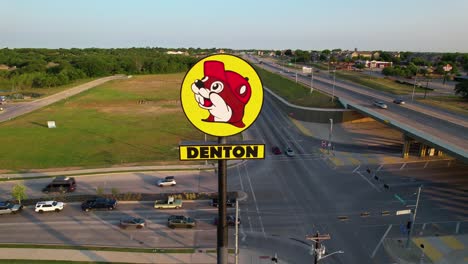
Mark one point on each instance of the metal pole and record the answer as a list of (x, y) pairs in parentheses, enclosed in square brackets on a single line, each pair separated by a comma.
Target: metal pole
[(414, 219), (222, 235), (316, 255), (237, 234), (333, 91), (330, 134), (206, 161), (414, 88), (296, 77), (312, 81)]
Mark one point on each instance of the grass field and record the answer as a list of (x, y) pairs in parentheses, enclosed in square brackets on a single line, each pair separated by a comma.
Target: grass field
[(102, 126), (295, 93), (451, 103), (377, 83)]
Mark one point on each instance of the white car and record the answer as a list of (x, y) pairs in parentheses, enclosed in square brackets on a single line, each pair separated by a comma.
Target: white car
[(380, 104), (48, 206), (168, 181), (289, 152)]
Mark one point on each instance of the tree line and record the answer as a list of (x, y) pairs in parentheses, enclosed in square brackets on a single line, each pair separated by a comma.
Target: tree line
[(37, 68)]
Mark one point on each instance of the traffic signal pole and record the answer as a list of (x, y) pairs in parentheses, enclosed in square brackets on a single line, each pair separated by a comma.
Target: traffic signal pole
[(222, 232)]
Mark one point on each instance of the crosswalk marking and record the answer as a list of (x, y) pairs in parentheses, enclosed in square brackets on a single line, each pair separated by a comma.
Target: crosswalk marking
[(452, 242), (430, 251)]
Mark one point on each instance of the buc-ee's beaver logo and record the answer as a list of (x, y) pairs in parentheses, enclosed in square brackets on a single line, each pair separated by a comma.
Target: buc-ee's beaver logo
[(222, 95)]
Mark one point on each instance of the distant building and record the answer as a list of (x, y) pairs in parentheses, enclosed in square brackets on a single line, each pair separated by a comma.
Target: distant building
[(364, 54), (375, 64), (177, 52)]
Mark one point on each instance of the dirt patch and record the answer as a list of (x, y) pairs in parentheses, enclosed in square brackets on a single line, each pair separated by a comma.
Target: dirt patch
[(143, 109)]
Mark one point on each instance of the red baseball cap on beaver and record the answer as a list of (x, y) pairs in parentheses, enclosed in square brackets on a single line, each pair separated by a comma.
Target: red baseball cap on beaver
[(233, 79)]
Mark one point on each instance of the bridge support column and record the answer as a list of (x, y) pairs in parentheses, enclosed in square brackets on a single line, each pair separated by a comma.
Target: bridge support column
[(440, 153), (422, 150), (406, 146)]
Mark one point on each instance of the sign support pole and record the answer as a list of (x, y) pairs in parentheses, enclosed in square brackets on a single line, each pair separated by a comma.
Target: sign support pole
[(222, 232)]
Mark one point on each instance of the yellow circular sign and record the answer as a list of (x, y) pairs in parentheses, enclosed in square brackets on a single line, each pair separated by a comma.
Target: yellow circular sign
[(222, 95)]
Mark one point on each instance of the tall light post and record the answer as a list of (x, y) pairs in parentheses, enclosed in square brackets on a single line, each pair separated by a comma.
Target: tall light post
[(414, 88), (330, 134), (333, 90), (312, 81), (236, 253), (414, 219)]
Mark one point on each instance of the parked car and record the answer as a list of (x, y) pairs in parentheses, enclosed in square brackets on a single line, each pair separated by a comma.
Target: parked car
[(61, 184), (180, 221), (380, 104), (9, 208), (99, 203), (399, 101), (168, 181), (230, 202), (276, 150), (230, 220), (289, 152), (138, 223), (48, 206)]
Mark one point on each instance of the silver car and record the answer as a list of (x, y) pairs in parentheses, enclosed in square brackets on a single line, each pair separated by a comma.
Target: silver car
[(9, 208), (380, 104), (168, 181)]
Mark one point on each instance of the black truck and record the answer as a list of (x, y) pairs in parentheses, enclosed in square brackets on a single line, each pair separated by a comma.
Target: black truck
[(99, 203), (61, 184)]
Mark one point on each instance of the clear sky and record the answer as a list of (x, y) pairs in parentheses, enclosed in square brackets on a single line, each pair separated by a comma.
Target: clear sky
[(398, 25)]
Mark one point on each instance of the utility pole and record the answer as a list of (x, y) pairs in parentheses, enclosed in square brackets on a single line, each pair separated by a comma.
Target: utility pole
[(318, 251), (414, 88), (414, 219), (330, 135), (333, 91), (312, 81)]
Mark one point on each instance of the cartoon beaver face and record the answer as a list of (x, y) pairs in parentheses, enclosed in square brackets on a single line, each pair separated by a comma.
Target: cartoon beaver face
[(223, 93)]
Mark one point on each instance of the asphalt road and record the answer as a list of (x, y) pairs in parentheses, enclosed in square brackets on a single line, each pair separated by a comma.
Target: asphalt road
[(290, 198), (199, 181), (12, 110)]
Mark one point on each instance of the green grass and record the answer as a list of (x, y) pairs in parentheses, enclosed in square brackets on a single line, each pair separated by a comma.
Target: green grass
[(377, 83), (295, 93), (451, 103), (101, 127)]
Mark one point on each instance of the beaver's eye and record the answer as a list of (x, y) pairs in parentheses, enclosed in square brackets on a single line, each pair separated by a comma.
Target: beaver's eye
[(217, 87)]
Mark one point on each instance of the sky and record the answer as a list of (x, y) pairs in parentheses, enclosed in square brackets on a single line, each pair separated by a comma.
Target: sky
[(397, 25)]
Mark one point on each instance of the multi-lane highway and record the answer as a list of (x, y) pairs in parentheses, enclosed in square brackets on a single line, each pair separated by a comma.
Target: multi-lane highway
[(443, 127)]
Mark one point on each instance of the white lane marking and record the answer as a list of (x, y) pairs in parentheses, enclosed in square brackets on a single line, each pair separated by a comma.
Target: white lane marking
[(402, 166), (425, 165), (381, 240), (357, 168), (255, 201), (247, 209), (380, 167), (367, 180)]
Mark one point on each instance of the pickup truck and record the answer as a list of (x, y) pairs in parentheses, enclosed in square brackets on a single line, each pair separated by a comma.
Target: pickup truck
[(169, 203)]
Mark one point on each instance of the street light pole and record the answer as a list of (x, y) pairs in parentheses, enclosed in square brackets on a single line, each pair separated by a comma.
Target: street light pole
[(312, 81), (414, 219), (333, 91), (414, 88), (237, 233), (330, 134)]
